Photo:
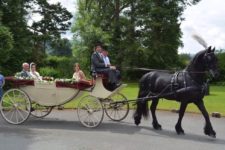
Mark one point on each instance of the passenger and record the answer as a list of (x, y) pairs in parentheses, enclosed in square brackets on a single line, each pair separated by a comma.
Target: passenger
[(25, 72), (98, 65), (2, 82), (105, 57), (34, 74), (78, 73)]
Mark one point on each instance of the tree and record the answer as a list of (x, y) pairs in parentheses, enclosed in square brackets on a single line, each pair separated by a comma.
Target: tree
[(14, 18), (61, 47), (6, 45), (55, 20), (221, 62), (29, 41), (147, 32), (87, 30)]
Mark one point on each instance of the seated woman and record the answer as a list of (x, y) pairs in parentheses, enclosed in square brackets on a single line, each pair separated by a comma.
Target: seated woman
[(34, 74), (78, 74), (2, 82)]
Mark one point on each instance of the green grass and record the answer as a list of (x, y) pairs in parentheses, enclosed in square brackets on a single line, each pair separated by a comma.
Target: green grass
[(215, 102)]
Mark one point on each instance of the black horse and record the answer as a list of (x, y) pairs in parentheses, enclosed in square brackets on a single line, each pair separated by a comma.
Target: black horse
[(186, 86)]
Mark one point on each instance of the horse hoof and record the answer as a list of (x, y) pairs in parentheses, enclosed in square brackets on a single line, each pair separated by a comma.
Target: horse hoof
[(179, 130), (157, 126), (181, 133), (211, 134), (137, 120)]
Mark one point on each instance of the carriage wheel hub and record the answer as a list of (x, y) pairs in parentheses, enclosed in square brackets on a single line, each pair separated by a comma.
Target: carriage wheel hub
[(16, 105), (90, 111)]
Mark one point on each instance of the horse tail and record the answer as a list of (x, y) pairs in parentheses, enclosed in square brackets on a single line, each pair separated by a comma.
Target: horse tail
[(145, 110), (142, 102)]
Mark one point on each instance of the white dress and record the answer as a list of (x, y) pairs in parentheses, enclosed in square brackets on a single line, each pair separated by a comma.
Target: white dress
[(35, 75), (76, 76)]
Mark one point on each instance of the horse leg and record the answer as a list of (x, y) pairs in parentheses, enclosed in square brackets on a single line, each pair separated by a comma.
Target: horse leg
[(155, 123), (208, 129), (178, 126)]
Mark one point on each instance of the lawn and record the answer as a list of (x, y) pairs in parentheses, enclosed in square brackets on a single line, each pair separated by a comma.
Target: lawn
[(215, 102)]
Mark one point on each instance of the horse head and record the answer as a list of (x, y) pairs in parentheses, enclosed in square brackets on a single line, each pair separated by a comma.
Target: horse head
[(210, 61)]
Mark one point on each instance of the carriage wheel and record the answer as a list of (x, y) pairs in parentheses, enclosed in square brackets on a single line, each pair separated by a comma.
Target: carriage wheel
[(90, 111), (15, 106), (40, 111), (117, 108)]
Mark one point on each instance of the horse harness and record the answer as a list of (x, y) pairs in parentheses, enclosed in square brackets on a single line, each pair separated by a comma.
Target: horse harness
[(174, 86), (174, 80)]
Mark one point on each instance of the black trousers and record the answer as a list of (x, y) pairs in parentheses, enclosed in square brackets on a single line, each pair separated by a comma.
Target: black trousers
[(113, 75)]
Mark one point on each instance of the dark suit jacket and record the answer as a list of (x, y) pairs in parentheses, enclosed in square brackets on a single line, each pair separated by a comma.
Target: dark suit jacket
[(98, 66), (24, 74), (97, 63)]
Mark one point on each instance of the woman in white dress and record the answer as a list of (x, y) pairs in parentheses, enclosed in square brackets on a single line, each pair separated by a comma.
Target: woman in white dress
[(34, 74), (78, 74)]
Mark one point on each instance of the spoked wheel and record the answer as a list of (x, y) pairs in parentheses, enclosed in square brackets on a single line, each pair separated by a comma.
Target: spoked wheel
[(117, 108), (15, 106), (40, 111), (90, 111)]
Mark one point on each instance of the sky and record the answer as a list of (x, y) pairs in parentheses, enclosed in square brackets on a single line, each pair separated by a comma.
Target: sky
[(206, 19)]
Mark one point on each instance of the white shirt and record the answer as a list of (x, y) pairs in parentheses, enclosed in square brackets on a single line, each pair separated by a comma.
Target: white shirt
[(106, 60)]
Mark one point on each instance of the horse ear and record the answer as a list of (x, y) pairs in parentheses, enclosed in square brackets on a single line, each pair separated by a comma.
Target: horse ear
[(209, 49), (213, 50)]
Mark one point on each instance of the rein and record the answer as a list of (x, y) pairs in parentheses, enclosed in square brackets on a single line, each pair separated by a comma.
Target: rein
[(162, 70)]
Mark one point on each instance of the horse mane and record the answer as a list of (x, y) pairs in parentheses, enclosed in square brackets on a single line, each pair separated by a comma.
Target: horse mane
[(195, 58)]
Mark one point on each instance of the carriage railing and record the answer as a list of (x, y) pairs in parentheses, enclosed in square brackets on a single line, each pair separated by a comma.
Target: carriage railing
[(84, 85), (15, 82)]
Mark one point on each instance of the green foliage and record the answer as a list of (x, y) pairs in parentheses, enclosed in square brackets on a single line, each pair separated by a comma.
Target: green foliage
[(59, 67), (184, 60), (50, 72), (13, 17), (221, 63), (54, 21), (86, 32), (55, 18), (29, 42), (6, 45), (143, 33), (61, 47)]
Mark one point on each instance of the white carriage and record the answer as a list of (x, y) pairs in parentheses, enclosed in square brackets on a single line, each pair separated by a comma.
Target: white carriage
[(37, 98)]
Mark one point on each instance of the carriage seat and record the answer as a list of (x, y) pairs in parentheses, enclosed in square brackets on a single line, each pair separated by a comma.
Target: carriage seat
[(94, 75), (19, 82), (103, 76), (81, 85)]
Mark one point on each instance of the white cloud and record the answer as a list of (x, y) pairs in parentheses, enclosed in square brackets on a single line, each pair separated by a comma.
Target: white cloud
[(206, 19), (69, 4)]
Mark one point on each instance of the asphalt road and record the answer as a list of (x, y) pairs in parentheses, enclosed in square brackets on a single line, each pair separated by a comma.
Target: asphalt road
[(62, 131)]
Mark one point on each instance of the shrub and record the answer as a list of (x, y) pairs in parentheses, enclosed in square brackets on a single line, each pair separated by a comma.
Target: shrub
[(62, 66), (49, 71)]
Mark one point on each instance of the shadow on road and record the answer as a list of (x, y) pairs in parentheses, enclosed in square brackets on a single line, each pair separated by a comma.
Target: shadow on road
[(115, 127), (188, 136)]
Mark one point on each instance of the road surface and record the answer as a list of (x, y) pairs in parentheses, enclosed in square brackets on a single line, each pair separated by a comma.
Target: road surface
[(62, 131)]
